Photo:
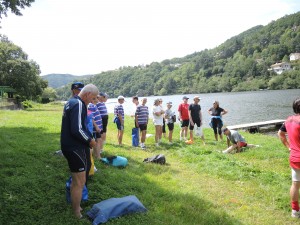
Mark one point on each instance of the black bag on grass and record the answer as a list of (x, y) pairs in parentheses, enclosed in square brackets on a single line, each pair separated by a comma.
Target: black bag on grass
[(160, 159)]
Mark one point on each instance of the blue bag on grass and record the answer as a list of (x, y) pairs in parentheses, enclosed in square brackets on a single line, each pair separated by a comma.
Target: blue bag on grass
[(68, 191), (117, 161), (135, 137), (115, 207)]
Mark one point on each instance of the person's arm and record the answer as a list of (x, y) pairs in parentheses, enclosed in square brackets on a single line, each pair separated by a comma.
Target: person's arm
[(136, 119), (224, 112), (282, 136), (228, 142), (238, 144), (191, 119), (209, 112), (76, 125), (179, 113), (200, 116)]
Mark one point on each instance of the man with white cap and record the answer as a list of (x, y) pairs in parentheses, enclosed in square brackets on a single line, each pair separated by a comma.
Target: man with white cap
[(119, 118)]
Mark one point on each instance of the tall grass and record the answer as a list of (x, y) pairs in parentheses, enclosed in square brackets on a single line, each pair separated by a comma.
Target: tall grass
[(199, 184)]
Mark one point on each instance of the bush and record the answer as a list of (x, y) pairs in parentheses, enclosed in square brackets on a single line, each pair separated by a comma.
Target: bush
[(27, 104)]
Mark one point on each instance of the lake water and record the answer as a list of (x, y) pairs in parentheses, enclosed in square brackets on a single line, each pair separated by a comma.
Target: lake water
[(242, 107)]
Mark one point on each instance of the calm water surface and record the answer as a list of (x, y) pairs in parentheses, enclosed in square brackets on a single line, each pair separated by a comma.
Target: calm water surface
[(242, 107)]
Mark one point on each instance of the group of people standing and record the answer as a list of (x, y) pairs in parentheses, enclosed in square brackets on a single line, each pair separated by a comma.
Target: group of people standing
[(84, 126), (189, 115)]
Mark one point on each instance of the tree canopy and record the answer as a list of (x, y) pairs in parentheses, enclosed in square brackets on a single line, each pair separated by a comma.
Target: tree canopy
[(14, 6), (18, 72)]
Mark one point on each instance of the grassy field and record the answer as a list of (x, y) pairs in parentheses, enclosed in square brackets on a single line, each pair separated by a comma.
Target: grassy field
[(199, 184)]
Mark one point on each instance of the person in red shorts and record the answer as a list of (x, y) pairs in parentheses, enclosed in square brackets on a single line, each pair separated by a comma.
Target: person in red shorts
[(291, 127), (183, 111)]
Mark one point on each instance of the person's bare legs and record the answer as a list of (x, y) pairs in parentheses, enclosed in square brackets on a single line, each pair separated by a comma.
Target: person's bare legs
[(97, 148), (185, 131), (120, 136), (143, 136), (216, 137), (191, 135), (170, 135), (77, 185)]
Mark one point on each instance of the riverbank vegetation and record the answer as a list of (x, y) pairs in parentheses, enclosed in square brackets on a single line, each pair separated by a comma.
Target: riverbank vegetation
[(199, 184), (239, 64)]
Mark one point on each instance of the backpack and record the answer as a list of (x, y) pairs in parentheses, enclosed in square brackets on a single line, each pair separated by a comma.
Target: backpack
[(160, 159), (135, 137), (117, 161)]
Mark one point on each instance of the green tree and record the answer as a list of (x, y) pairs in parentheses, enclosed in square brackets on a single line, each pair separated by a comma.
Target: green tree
[(19, 73), (14, 6)]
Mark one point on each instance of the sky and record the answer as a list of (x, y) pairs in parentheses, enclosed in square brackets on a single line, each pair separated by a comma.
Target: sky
[(91, 36)]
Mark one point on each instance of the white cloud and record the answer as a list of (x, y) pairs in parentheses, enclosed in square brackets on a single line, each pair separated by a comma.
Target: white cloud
[(86, 37)]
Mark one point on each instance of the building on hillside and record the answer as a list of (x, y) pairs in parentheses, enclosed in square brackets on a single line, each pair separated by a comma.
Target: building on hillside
[(280, 67), (294, 56)]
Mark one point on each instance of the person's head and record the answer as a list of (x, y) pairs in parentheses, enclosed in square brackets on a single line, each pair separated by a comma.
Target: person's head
[(216, 104), (121, 99), (135, 100), (76, 88), (296, 106), (144, 101), (185, 99), (88, 93), (197, 99), (225, 131), (102, 97), (160, 101), (156, 102), (169, 105)]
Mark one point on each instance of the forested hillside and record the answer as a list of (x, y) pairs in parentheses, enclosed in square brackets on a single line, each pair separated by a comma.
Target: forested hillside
[(239, 64), (59, 80)]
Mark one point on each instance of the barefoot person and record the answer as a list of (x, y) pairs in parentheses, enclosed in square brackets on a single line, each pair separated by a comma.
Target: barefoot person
[(291, 127), (76, 142), (237, 140)]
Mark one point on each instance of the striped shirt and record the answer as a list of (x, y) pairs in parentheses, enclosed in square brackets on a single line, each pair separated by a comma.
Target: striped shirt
[(96, 116), (118, 110), (142, 114), (102, 108)]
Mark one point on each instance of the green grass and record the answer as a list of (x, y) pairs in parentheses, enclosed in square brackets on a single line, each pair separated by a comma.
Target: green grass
[(199, 185)]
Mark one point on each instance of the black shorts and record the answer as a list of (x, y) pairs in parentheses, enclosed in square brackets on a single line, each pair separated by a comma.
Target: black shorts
[(143, 127), (79, 159), (96, 135), (198, 122), (104, 123), (171, 126), (185, 123)]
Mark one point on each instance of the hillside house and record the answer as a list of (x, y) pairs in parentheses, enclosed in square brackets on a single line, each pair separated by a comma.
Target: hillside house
[(294, 56), (280, 67)]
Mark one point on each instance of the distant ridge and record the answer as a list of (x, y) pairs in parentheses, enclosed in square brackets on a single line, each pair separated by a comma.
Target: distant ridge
[(59, 80)]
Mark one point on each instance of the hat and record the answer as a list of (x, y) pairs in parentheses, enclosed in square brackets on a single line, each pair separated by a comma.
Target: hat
[(184, 97), (169, 103), (77, 85), (197, 97), (121, 97), (224, 129), (103, 94)]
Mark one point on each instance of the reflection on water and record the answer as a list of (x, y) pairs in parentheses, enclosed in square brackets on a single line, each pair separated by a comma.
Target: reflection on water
[(243, 107)]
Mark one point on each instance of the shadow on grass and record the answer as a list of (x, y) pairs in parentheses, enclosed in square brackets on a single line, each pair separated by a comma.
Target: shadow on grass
[(32, 186)]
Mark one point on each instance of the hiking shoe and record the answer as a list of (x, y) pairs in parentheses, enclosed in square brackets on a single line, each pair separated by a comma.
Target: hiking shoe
[(295, 214), (189, 142)]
